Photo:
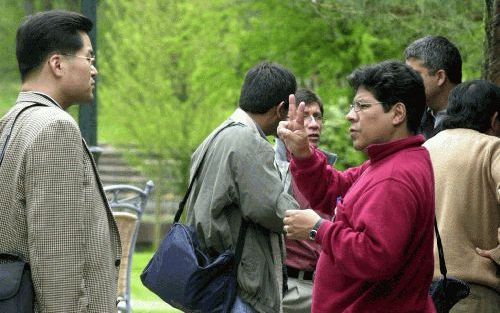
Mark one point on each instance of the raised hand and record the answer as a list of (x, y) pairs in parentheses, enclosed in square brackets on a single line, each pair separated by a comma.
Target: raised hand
[(292, 131)]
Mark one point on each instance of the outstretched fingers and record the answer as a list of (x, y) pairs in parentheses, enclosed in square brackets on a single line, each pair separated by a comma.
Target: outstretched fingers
[(299, 116), (295, 114)]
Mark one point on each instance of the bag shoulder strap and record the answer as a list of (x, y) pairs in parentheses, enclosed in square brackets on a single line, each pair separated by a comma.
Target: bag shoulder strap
[(9, 256), (244, 223), (442, 263), (2, 153), (182, 204)]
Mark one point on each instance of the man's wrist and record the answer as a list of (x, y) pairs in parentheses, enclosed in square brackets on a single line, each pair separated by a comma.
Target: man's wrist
[(303, 153), (314, 230)]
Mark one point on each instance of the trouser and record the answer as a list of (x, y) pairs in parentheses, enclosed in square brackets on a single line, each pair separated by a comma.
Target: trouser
[(241, 306), (481, 300), (298, 298)]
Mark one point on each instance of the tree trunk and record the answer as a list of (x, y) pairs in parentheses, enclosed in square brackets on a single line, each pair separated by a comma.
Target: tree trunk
[(491, 70)]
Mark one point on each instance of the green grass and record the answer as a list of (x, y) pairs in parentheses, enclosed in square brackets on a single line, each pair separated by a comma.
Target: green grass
[(143, 300)]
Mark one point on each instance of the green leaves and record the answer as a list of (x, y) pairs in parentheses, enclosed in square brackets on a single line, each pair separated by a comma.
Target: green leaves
[(170, 71)]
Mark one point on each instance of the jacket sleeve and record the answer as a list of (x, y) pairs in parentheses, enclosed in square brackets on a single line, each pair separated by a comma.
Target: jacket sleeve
[(262, 196), (320, 183), (55, 217), (376, 248)]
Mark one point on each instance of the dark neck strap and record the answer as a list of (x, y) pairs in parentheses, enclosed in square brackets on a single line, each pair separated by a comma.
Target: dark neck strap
[(244, 224), (442, 263)]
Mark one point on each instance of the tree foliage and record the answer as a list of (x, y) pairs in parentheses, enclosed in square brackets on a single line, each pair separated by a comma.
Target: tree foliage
[(173, 68), (170, 71)]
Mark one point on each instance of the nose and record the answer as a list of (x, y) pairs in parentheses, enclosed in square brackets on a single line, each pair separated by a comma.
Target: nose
[(93, 70), (351, 116), (312, 122)]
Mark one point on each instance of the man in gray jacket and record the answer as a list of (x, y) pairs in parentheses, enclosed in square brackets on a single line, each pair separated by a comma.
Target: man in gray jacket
[(238, 180)]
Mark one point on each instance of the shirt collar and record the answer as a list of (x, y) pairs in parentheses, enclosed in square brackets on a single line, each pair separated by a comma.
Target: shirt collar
[(377, 152)]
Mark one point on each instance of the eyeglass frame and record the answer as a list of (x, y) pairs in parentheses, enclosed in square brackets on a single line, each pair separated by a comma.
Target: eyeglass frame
[(91, 59), (357, 106), (317, 119)]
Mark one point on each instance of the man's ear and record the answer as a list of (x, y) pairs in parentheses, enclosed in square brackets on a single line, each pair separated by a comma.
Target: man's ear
[(281, 111), (56, 66), (495, 124), (441, 77), (399, 114)]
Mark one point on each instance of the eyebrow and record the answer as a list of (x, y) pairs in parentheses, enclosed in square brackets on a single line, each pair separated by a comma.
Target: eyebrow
[(360, 100)]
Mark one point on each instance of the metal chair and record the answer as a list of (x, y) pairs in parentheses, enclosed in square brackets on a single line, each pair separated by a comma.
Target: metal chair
[(127, 203)]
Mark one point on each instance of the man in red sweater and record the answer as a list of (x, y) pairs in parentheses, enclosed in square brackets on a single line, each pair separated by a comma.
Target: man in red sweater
[(377, 252)]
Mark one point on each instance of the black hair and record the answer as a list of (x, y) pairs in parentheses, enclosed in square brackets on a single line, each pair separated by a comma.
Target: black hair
[(308, 96), (391, 82), (436, 53), (48, 32), (266, 85), (472, 105)]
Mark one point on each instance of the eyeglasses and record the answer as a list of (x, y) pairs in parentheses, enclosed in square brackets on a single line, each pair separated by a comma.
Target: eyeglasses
[(91, 59), (360, 105), (315, 117)]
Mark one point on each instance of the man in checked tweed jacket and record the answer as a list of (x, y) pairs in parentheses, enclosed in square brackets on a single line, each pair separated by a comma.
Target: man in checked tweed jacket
[(53, 212)]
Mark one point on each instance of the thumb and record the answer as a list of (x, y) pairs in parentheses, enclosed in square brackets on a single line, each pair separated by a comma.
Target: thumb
[(483, 253)]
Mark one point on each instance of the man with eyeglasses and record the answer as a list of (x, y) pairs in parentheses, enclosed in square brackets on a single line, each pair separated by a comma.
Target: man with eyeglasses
[(55, 216), (377, 251), (302, 255)]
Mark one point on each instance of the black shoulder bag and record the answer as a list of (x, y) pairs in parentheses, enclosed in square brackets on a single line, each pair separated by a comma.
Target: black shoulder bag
[(16, 286), (447, 291), (186, 277)]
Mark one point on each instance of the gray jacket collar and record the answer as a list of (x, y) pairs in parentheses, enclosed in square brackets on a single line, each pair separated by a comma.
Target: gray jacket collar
[(242, 117)]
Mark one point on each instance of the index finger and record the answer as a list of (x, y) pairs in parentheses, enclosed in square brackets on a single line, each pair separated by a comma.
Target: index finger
[(291, 107), (299, 112)]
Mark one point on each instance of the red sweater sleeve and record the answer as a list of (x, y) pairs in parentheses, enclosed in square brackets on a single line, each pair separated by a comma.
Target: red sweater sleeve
[(375, 248), (320, 183)]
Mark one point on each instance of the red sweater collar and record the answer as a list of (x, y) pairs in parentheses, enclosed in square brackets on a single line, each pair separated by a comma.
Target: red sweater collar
[(379, 151)]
